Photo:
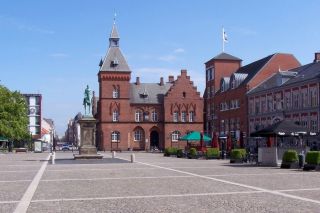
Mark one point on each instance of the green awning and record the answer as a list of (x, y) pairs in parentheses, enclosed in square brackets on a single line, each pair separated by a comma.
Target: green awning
[(3, 139), (195, 136)]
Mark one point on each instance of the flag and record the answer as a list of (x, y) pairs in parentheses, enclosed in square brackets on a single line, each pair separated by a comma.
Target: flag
[(224, 36)]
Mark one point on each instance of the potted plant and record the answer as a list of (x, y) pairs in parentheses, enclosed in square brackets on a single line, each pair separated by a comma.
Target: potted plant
[(290, 160), (237, 155), (312, 160), (180, 153), (170, 151), (212, 153), (192, 153)]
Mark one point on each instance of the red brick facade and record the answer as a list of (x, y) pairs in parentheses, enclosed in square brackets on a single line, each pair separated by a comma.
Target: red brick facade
[(142, 115), (229, 112)]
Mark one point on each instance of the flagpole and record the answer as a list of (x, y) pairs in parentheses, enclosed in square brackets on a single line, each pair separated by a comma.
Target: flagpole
[(222, 39)]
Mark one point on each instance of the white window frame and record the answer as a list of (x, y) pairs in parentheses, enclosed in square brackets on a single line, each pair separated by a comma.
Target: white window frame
[(191, 116), (183, 116), (175, 116), (115, 137), (138, 116), (115, 93), (154, 116), (138, 135), (175, 136), (314, 124), (115, 116)]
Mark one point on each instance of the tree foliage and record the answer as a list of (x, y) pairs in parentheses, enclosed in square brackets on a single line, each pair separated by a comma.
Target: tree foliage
[(13, 115)]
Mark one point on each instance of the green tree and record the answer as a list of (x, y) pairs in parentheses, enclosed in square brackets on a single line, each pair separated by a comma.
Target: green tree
[(13, 115)]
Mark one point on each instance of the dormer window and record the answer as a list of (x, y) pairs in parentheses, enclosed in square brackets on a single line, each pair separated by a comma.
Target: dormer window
[(144, 94), (224, 84), (115, 62), (233, 83)]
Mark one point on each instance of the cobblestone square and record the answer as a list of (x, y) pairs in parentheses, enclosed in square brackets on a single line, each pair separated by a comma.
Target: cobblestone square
[(152, 184)]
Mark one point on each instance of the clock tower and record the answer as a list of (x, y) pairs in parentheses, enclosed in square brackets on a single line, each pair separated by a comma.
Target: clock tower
[(114, 91)]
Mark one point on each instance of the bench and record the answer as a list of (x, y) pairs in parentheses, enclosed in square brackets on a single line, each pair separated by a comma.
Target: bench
[(21, 150)]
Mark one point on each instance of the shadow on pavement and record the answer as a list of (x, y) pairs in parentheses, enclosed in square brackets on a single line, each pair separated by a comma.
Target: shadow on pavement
[(90, 161)]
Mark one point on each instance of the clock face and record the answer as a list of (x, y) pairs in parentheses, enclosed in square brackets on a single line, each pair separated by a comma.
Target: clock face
[(32, 111)]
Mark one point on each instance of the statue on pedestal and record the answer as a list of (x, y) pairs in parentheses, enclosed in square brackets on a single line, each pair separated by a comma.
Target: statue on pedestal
[(87, 124), (87, 101)]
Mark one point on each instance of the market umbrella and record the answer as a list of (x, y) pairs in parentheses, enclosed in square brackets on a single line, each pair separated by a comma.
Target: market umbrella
[(229, 143), (195, 136), (281, 128), (214, 141), (3, 139)]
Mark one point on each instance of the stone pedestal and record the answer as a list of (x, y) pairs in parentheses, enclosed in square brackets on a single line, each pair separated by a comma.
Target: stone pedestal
[(87, 148)]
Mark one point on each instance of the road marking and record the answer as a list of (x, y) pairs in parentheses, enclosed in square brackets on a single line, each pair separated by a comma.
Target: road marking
[(22, 165), (234, 183), (257, 174), (296, 190), (13, 181), (107, 169), (160, 196), (117, 178), (9, 201), (27, 197), (161, 177), (145, 196), (15, 171)]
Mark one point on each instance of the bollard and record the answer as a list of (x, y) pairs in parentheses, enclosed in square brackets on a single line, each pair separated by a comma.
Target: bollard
[(132, 158), (113, 154), (53, 157)]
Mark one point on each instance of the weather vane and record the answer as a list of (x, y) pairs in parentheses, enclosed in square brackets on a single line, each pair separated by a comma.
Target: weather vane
[(114, 17)]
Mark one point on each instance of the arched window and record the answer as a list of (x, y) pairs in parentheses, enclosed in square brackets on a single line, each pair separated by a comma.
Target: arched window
[(154, 116), (175, 116), (115, 116), (115, 92), (175, 136), (183, 116), (138, 116), (191, 116), (138, 135), (115, 137)]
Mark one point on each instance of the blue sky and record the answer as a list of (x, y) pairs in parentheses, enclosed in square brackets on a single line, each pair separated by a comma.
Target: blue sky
[(54, 47)]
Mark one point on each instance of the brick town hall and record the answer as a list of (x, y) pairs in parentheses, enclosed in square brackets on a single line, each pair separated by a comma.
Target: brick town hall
[(140, 115)]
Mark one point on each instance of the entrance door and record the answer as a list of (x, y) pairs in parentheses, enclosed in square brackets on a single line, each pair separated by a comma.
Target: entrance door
[(154, 139)]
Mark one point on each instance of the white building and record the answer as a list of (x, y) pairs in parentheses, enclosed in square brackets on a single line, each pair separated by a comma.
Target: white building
[(34, 114)]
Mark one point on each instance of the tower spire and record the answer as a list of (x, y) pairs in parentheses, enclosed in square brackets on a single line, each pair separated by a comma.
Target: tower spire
[(114, 18), (114, 35), (114, 59)]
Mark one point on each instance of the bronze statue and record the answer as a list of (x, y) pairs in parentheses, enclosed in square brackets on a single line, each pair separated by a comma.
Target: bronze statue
[(87, 101)]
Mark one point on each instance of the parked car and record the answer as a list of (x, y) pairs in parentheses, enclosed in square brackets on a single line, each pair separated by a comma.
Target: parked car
[(65, 147)]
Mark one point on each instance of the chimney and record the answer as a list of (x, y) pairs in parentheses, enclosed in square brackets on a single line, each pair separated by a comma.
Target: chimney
[(161, 81), (183, 72), (137, 81), (316, 57), (171, 78)]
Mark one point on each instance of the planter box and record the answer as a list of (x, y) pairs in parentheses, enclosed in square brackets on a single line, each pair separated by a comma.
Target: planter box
[(210, 158), (236, 161), (21, 150), (308, 167), (290, 165)]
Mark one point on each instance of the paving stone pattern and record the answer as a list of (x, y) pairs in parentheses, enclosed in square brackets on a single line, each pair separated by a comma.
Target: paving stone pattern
[(154, 184)]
